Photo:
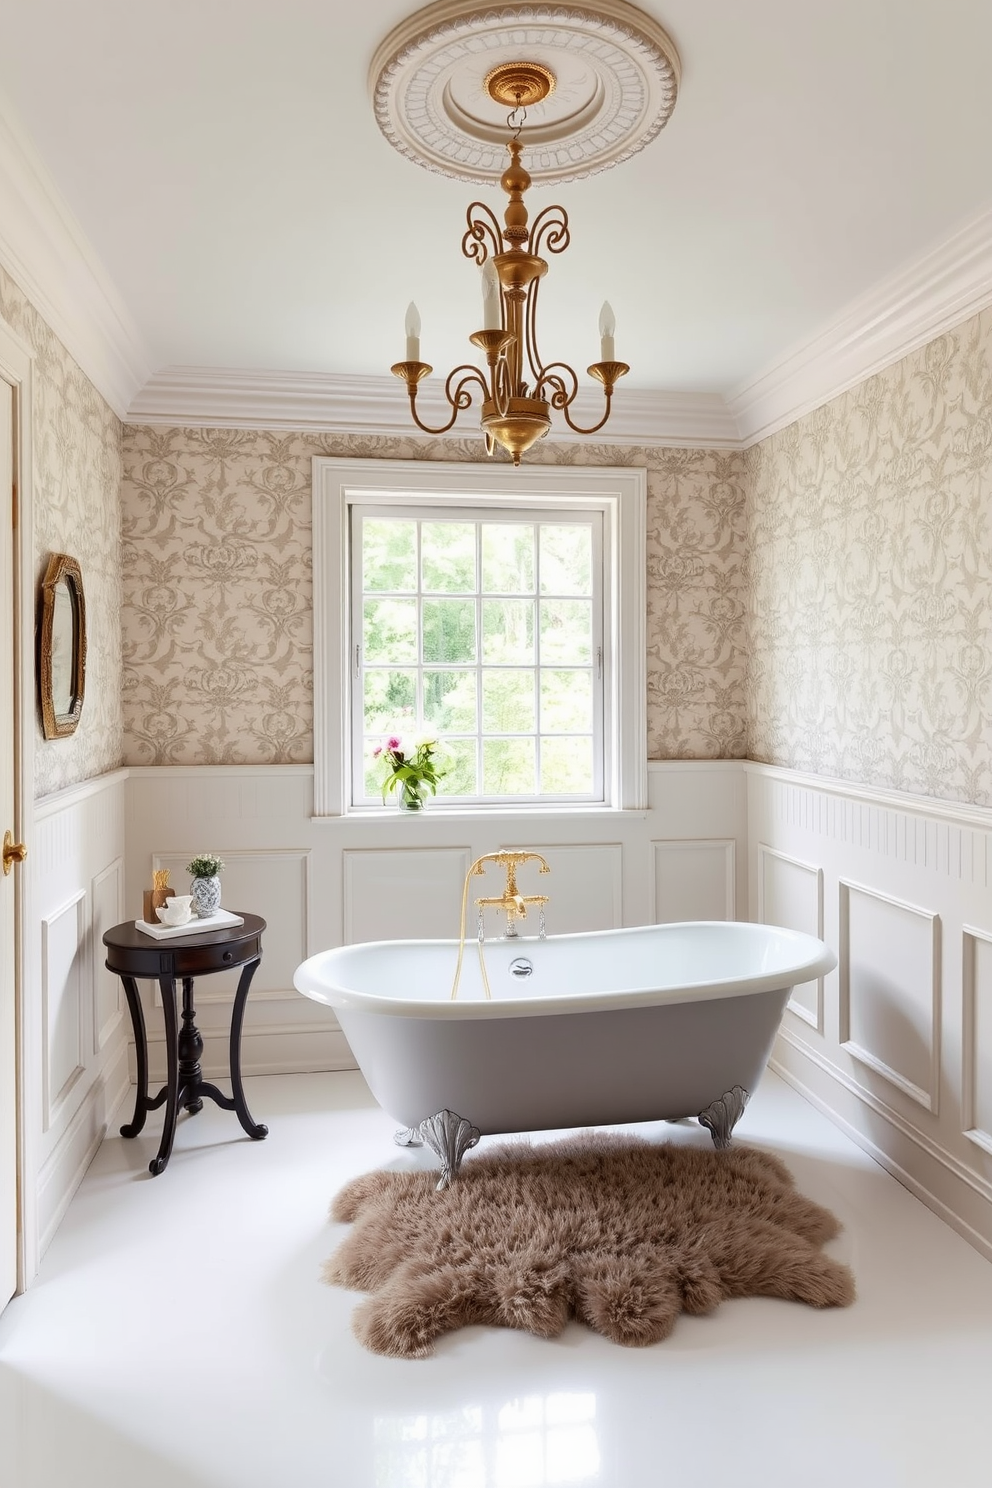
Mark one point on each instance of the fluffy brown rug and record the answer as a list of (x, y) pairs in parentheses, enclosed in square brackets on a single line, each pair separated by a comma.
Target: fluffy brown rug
[(615, 1231)]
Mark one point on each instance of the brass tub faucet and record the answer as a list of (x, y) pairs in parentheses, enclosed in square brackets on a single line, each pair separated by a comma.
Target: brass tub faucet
[(511, 901), (513, 904)]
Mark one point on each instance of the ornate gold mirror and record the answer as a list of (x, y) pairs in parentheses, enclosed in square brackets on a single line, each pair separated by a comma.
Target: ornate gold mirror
[(61, 647)]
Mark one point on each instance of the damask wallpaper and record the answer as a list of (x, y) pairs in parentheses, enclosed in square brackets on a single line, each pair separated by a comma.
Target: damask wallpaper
[(217, 605), (820, 601), (77, 477), (869, 571)]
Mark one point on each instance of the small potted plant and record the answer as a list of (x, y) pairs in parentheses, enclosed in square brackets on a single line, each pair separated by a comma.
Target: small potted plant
[(411, 771), (205, 887)]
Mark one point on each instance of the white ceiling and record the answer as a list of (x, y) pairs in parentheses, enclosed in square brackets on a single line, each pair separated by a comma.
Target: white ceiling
[(223, 162)]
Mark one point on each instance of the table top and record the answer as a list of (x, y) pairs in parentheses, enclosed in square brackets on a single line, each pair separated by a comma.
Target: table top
[(129, 950)]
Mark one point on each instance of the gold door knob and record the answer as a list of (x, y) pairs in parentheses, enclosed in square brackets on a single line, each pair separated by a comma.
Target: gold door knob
[(13, 852)]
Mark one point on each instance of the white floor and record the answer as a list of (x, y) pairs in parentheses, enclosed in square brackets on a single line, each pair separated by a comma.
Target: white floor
[(179, 1335)]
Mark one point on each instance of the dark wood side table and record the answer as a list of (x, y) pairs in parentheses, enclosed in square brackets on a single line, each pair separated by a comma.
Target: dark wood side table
[(132, 954)]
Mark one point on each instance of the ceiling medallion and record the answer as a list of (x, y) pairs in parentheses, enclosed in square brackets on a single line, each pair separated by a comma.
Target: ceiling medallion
[(615, 72)]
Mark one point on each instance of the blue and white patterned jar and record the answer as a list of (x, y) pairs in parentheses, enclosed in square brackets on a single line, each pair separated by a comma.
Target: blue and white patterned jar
[(206, 896)]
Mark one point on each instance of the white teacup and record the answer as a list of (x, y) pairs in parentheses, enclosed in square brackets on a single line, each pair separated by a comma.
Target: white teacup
[(176, 911)]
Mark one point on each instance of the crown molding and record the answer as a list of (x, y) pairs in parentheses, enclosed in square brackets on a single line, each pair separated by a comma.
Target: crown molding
[(901, 313), (923, 300), (228, 398), (44, 250)]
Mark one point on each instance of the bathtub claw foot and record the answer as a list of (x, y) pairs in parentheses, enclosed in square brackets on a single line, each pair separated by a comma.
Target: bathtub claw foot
[(449, 1136), (408, 1136), (721, 1116)]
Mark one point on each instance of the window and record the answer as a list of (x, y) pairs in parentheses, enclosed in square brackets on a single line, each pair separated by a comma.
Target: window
[(486, 631), (500, 610)]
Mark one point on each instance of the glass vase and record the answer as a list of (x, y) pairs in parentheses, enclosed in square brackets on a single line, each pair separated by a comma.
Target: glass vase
[(411, 795)]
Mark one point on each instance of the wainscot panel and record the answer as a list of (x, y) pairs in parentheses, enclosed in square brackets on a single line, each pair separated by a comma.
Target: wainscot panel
[(790, 893), (695, 880), (76, 1071), (898, 1046), (977, 1053)]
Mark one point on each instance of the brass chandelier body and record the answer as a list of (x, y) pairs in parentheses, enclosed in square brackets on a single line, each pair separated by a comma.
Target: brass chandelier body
[(518, 389)]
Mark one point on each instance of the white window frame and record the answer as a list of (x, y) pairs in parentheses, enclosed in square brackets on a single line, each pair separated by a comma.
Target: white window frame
[(619, 492), (592, 518)]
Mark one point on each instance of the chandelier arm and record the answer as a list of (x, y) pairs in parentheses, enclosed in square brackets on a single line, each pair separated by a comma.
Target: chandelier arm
[(593, 428), (459, 399), (474, 245), (551, 377), (553, 224)]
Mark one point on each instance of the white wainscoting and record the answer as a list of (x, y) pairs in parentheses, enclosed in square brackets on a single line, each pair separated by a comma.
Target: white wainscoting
[(76, 1071), (695, 880), (322, 882), (896, 1044), (790, 893)]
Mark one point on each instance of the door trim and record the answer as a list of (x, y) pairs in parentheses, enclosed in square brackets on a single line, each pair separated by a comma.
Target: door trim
[(17, 368)]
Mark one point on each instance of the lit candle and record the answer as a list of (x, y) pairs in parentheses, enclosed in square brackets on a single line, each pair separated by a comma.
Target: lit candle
[(412, 333), (607, 326), (492, 312)]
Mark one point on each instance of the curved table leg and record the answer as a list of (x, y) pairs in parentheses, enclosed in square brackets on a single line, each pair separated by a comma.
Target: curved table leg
[(254, 1128), (141, 1106), (168, 987)]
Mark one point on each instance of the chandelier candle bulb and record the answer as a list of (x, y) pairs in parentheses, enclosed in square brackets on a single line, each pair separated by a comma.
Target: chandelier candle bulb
[(607, 328), (492, 312), (412, 333)]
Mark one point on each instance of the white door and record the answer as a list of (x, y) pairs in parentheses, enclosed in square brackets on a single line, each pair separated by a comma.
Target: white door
[(8, 1044)]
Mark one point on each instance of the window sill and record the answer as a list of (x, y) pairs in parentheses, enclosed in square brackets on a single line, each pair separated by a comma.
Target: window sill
[(367, 815)]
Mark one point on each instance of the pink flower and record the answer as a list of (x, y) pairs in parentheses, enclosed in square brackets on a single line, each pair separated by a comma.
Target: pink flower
[(377, 751), (392, 742)]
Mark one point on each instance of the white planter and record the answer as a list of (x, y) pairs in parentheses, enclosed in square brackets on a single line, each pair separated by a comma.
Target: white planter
[(206, 895)]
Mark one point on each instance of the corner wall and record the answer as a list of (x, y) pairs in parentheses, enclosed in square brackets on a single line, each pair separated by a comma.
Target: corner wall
[(869, 561)]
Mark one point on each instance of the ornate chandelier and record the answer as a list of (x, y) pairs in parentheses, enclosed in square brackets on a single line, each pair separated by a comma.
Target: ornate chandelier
[(518, 389)]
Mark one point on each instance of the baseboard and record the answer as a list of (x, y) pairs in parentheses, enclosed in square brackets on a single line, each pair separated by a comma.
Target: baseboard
[(65, 1167), (960, 1196)]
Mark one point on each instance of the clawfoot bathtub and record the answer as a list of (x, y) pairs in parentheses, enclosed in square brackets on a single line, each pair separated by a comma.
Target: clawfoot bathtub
[(652, 1023)]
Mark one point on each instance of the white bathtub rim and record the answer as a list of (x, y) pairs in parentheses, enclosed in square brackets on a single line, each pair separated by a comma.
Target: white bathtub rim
[(813, 959)]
